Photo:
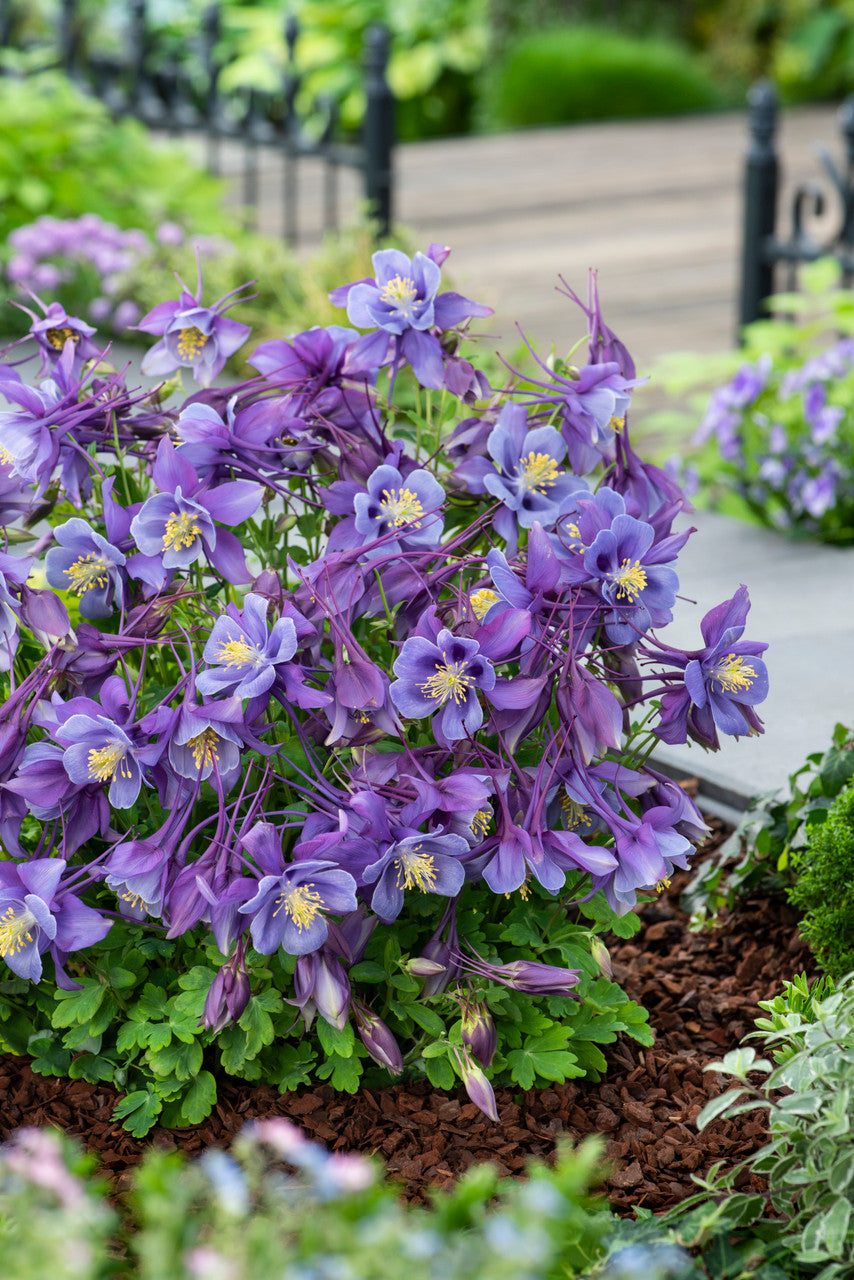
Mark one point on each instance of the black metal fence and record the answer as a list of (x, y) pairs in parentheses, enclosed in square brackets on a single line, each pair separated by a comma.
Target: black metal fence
[(178, 91), (770, 257)]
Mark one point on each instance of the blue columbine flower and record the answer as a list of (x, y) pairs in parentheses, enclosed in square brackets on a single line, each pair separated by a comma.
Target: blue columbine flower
[(407, 507), (33, 918), (442, 679), (426, 862), (289, 908), (88, 566), (243, 652), (194, 337)]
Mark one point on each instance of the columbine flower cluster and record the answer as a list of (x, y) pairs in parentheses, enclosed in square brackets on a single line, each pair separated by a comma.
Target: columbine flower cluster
[(785, 434), (296, 657)]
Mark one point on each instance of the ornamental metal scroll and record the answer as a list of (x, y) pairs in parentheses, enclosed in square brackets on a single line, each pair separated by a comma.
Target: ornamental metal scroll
[(763, 249), (177, 90)]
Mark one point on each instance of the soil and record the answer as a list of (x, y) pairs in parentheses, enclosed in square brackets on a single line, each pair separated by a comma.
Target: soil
[(701, 991)]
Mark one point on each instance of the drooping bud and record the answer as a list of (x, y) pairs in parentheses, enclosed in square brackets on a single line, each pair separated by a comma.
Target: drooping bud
[(229, 993), (479, 1031), (320, 982), (377, 1039), (422, 967), (476, 1084), (602, 957)]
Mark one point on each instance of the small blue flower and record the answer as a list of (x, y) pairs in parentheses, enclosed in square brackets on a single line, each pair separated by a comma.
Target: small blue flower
[(429, 863), (442, 678), (88, 566)]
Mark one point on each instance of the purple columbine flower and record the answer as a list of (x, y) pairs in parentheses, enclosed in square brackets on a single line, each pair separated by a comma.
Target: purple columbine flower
[(401, 305), (177, 525), (243, 652), (205, 741), (196, 337), (289, 908), (33, 918), (441, 678), (407, 507), (524, 975), (55, 329), (722, 682), (88, 566), (426, 862), (101, 751)]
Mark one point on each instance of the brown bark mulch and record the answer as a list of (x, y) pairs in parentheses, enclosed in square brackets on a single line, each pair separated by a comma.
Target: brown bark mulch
[(701, 991)]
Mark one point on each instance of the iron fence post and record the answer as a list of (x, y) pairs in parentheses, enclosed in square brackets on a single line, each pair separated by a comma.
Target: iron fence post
[(378, 130), (760, 202)]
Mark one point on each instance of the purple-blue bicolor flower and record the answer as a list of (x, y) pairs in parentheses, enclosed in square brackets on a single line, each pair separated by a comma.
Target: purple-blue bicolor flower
[(88, 566), (426, 862), (196, 337), (408, 507), (289, 909), (722, 682), (441, 678), (647, 853), (177, 524), (205, 741), (32, 918), (101, 751), (243, 652), (524, 473), (401, 305)]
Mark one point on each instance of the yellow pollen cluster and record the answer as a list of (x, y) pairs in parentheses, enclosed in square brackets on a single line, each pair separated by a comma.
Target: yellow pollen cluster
[(400, 292), (448, 682), (58, 337), (363, 717), (301, 902), (401, 506), (87, 572), (732, 675), (181, 531), (6, 458), (616, 425), (204, 748), (539, 471), (15, 931), (104, 762), (480, 823), (238, 653), (482, 601), (191, 343), (662, 884), (524, 889), (630, 579), (572, 811), (135, 901), (415, 870)]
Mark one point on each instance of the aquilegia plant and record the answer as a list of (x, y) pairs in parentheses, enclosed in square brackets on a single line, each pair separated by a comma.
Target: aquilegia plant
[(329, 699)]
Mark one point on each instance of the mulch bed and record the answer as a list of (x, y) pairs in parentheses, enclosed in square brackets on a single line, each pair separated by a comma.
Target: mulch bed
[(701, 990)]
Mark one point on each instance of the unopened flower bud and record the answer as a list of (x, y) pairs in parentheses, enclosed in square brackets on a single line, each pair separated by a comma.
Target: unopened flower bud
[(476, 1085), (422, 967), (228, 996), (378, 1039), (479, 1032), (602, 957)]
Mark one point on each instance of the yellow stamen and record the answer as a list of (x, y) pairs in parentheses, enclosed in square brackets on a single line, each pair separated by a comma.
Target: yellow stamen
[(87, 572), (732, 675), (363, 717), (204, 748), (401, 506), (105, 761), (480, 823), (191, 342), (482, 601), (181, 531), (539, 471), (616, 425), (6, 458), (15, 931), (400, 292), (448, 682), (662, 884), (301, 902), (239, 653), (572, 811), (630, 579), (415, 870), (523, 890), (58, 337), (135, 901)]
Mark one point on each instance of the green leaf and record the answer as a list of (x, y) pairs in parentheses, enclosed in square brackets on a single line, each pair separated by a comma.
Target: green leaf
[(440, 1073), (834, 1226), (427, 1019), (157, 1035), (343, 1074), (139, 1110), (151, 1005), (367, 971), (258, 1025), (296, 1062), (334, 1041), (199, 1099), (132, 1035), (77, 1007), (546, 1057), (178, 1059), (91, 1067), (49, 1058), (717, 1106)]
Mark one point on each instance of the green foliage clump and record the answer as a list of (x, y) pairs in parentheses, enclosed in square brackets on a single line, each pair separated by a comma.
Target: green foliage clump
[(61, 153), (774, 831), (803, 1224), (824, 887), (590, 73)]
